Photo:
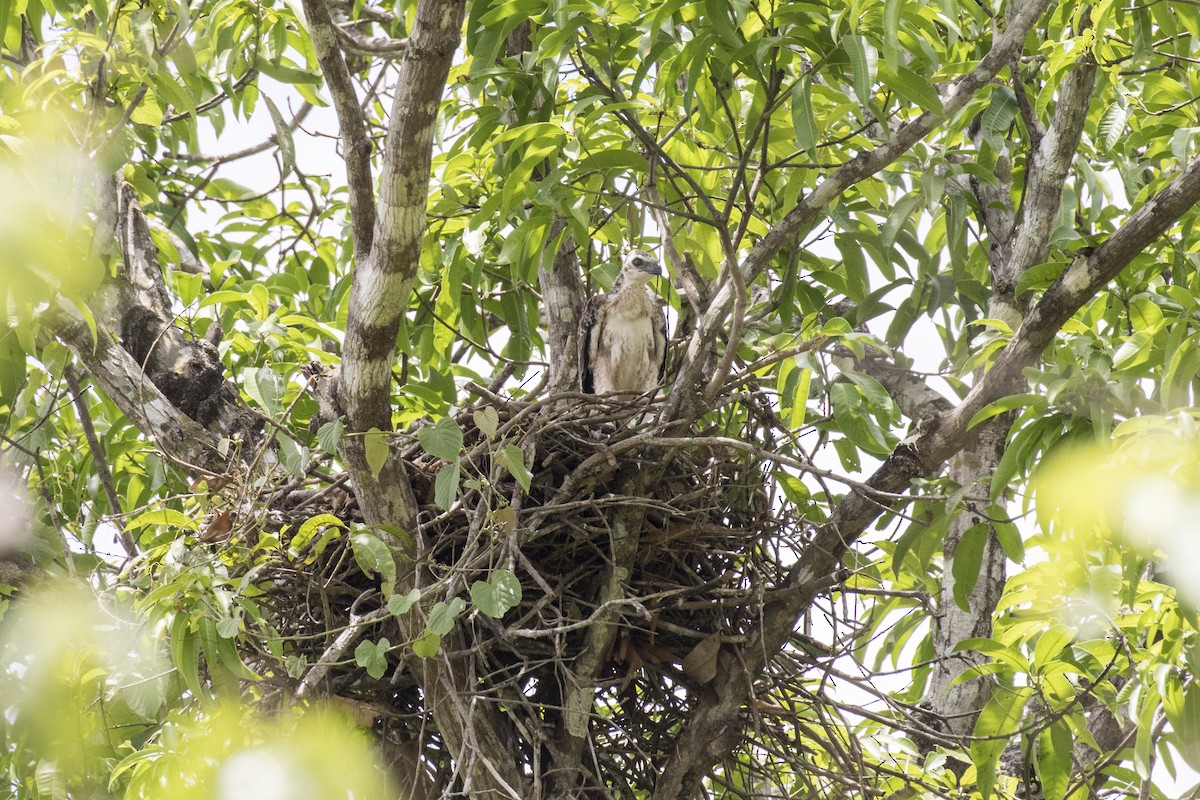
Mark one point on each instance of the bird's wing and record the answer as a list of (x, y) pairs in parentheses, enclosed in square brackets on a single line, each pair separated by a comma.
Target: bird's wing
[(590, 325), (660, 340)]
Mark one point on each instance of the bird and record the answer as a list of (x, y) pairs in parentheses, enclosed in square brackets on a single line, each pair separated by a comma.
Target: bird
[(623, 333)]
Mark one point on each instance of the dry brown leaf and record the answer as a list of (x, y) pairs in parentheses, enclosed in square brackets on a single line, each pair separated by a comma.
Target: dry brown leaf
[(701, 664), (219, 527)]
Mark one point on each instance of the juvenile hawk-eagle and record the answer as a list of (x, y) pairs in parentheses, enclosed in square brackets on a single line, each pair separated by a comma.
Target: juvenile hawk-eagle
[(623, 334)]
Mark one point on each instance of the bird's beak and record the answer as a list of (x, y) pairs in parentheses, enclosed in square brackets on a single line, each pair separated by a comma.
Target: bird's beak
[(654, 268)]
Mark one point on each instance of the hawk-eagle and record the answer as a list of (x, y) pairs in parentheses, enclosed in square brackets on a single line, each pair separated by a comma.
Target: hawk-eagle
[(623, 334)]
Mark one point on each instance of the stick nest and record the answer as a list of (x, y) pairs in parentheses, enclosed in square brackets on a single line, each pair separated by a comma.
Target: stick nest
[(655, 547)]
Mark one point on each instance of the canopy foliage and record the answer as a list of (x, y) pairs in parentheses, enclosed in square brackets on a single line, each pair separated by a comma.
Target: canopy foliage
[(298, 483)]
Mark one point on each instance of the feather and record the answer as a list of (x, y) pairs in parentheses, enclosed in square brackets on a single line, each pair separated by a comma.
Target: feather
[(622, 334)]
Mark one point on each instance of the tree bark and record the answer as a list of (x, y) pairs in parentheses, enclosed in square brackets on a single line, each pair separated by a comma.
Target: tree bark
[(562, 306), (379, 299), (135, 302), (1012, 251), (356, 145)]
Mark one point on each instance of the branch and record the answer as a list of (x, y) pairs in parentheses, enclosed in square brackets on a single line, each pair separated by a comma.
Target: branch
[(114, 370), (367, 12), (379, 298), (695, 289), (136, 294), (99, 459), (1043, 193), (383, 280), (356, 145), (213, 102), (866, 164), (384, 277), (956, 701), (253, 150), (920, 455), (915, 398), (349, 635), (376, 46), (562, 300)]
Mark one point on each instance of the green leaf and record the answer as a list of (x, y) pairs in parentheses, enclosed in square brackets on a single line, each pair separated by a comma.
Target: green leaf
[(1135, 351), (848, 410), (999, 117), (376, 444), (400, 603), (487, 421), (1053, 763), (185, 654), (162, 516), (293, 457), (911, 87), (804, 122), (442, 616), (1186, 723), (6, 17), (283, 135), (13, 371), (1112, 125), (1008, 535), (445, 486), (228, 627), (901, 213), (1009, 656), (427, 645), (1004, 404), (499, 593), (968, 558), (265, 387), (310, 527), (167, 87), (148, 112), (447, 309), (998, 721), (329, 436), (372, 657), (910, 538), (513, 459), (1041, 276), (285, 73), (1050, 644), (443, 440), (375, 558), (49, 780), (891, 30), (864, 61)]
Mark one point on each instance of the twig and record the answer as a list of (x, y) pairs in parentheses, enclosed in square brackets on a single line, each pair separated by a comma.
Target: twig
[(335, 651), (100, 460)]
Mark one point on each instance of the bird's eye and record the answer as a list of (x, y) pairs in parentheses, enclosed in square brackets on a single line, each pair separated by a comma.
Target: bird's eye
[(637, 262)]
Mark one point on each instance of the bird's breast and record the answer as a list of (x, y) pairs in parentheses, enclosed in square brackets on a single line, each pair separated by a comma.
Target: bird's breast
[(626, 362)]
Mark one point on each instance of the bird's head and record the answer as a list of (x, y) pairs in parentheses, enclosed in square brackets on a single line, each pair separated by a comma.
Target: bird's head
[(640, 267)]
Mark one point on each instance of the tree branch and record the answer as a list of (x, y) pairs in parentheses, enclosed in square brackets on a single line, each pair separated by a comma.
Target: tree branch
[(356, 145), (1043, 194), (804, 214), (379, 298), (562, 300), (99, 459), (114, 370), (920, 455), (373, 46), (955, 701), (384, 278), (271, 141)]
